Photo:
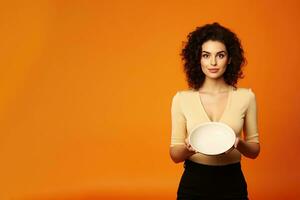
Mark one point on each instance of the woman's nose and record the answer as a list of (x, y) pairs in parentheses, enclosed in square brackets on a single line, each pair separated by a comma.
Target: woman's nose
[(213, 61)]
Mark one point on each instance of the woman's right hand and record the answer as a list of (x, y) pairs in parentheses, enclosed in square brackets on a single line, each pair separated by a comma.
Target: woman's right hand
[(180, 153), (188, 146)]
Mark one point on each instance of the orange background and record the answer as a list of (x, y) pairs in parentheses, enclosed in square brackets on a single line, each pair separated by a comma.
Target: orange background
[(86, 90)]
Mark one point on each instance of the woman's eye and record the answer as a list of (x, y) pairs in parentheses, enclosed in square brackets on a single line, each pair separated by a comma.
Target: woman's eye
[(221, 55), (204, 55)]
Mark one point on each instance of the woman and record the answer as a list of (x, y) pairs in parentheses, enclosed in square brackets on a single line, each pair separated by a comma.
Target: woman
[(213, 60)]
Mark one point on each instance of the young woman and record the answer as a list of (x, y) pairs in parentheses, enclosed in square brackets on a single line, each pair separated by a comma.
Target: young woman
[(213, 60)]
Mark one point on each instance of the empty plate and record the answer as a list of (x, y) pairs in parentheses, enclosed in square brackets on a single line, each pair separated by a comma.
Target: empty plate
[(212, 138)]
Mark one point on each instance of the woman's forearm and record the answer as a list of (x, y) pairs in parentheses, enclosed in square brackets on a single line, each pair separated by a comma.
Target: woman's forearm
[(248, 149), (179, 153)]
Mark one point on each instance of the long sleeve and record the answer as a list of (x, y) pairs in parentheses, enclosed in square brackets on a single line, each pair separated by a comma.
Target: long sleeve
[(178, 119), (250, 125)]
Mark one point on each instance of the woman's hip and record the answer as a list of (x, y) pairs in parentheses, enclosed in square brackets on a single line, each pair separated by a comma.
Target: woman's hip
[(212, 182)]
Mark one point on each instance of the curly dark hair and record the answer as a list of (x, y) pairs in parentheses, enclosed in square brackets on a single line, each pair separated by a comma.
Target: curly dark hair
[(191, 54)]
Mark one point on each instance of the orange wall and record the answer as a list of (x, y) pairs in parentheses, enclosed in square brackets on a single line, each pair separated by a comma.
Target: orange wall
[(86, 89)]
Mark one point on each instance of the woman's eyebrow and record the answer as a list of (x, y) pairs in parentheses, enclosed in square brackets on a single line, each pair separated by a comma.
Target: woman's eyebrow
[(217, 52)]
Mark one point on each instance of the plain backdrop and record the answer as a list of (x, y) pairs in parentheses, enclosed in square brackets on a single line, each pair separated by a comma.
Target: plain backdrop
[(86, 89)]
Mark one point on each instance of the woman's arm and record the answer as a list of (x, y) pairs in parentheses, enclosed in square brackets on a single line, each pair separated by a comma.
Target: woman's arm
[(248, 149), (179, 149), (181, 152), (250, 146)]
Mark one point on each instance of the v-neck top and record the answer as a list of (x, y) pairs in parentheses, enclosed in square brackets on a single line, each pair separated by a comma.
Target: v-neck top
[(240, 113), (228, 99)]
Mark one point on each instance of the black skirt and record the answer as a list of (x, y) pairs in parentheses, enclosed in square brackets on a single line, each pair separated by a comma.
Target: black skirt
[(208, 182)]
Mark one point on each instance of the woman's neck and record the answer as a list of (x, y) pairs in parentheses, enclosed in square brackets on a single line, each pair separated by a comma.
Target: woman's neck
[(214, 86)]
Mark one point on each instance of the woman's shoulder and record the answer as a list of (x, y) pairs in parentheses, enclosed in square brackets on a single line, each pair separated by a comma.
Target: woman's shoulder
[(184, 94), (244, 92)]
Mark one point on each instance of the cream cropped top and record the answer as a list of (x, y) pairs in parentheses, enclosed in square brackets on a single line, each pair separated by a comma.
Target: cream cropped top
[(240, 114)]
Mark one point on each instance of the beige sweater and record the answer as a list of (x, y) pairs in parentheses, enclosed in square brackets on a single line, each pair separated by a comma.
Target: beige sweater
[(240, 114)]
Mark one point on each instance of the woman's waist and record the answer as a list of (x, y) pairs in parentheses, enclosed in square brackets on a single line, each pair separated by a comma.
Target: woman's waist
[(232, 157)]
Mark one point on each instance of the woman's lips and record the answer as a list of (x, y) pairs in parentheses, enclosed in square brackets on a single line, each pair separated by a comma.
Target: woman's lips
[(213, 70)]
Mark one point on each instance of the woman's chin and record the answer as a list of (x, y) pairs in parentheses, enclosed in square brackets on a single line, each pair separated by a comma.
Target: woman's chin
[(214, 76)]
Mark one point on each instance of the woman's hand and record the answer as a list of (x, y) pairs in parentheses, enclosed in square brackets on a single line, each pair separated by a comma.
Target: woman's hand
[(248, 149), (181, 152), (188, 146)]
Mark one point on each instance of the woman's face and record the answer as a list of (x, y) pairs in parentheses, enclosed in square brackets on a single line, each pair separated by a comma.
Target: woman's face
[(214, 59)]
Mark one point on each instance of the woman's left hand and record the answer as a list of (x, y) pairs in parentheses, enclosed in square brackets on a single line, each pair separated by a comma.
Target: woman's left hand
[(248, 149)]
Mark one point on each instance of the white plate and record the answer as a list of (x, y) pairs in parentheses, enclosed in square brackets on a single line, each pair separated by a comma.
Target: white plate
[(212, 138)]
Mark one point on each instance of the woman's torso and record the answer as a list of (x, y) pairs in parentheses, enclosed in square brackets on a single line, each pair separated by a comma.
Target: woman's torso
[(231, 111)]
